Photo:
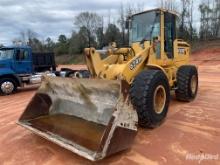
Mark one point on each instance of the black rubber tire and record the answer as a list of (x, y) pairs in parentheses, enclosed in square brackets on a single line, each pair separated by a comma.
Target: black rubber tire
[(142, 96), (82, 73), (184, 76), (71, 75), (10, 80), (86, 74)]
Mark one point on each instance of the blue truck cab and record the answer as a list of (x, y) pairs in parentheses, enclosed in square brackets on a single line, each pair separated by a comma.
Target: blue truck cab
[(15, 60), (18, 65)]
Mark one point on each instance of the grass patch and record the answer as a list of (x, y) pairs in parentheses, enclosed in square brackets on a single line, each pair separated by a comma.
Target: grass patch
[(80, 59), (70, 59)]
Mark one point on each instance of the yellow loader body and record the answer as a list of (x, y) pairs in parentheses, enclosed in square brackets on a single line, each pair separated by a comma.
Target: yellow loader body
[(98, 117)]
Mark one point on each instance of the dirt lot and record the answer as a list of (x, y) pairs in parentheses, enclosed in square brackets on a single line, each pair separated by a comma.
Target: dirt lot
[(190, 129)]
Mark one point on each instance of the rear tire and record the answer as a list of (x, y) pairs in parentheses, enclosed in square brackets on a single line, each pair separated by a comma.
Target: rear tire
[(150, 96), (187, 83), (7, 86)]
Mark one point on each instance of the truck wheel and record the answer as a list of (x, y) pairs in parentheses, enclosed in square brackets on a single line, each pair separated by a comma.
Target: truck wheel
[(86, 74), (150, 96), (187, 83), (71, 75), (76, 74), (7, 86)]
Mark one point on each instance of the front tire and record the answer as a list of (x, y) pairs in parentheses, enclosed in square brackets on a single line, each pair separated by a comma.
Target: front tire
[(150, 96), (7, 86)]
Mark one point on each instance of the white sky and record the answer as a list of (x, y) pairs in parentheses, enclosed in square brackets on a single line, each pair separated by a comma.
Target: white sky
[(49, 18)]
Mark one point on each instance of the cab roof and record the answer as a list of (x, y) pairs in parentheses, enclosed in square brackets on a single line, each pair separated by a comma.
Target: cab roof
[(158, 9), (15, 47)]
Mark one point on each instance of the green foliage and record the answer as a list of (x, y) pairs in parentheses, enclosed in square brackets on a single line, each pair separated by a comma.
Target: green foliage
[(89, 24), (80, 40), (113, 34), (62, 39), (36, 45), (100, 37), (74, 46), (210, 20), (91, 31), (50, 45), (62, 46)]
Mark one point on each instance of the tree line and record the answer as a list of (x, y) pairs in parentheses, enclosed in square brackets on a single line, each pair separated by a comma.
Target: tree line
[(209, 19), (93, 31)]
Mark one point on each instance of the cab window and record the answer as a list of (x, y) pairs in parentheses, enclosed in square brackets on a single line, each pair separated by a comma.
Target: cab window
[(21, 54), (170, 34)]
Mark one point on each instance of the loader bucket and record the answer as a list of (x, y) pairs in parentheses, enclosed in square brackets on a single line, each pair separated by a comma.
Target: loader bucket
[(92, 118)]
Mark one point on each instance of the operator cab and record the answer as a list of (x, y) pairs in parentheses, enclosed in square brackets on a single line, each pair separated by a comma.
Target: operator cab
[(148, 26)]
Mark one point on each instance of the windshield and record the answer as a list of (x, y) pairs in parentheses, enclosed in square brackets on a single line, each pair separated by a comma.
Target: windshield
[(145, 26), (6, 54)]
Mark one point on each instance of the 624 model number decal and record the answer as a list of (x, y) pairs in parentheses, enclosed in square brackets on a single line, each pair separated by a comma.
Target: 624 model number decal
[(135, 62)]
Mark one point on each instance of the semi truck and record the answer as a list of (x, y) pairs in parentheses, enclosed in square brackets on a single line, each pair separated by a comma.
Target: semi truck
[(19, 66)]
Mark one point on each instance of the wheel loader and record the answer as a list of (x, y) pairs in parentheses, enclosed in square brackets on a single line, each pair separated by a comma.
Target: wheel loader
[(129, 86)]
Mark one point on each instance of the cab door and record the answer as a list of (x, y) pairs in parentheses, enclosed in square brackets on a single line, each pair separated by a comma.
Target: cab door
[(169, 34), (23, 63)]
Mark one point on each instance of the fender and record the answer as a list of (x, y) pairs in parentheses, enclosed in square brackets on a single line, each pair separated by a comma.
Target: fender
[(5, 71), (152, 66)]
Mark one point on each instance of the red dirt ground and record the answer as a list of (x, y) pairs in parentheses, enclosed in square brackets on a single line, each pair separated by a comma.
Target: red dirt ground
[(190, 128)]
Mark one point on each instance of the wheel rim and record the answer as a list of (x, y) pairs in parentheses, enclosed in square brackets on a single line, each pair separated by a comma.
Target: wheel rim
[(159, 99), (78, 75), (7, 87), (193, 84)]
